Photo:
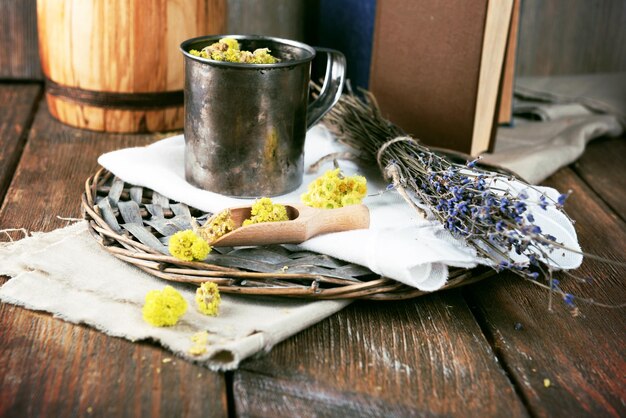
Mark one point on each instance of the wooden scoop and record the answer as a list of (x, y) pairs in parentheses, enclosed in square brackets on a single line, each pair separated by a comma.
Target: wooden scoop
[(304, 223)]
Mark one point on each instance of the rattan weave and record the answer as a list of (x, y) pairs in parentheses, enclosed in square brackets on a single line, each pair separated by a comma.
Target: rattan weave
[(134, 224)]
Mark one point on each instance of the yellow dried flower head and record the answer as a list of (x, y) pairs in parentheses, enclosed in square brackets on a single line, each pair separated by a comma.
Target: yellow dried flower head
[(245, 57), (197, 350), (187, 246), (228, 49), (200, 337), (263, 210), (163, 308), (352, 198), (200, 249), (200, 341), (231, 43), (233, 55), (197, 53), (208, 298), (332, 190), (216, 226), (262, 56), (216, 55)]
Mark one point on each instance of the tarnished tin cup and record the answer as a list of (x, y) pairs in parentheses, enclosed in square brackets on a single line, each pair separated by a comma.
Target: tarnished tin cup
[(245, 124)]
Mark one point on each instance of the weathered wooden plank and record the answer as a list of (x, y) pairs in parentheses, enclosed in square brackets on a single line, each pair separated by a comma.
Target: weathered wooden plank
[(19, 52), (583, 357), (17, 107), (424, 357), (57, 160), (52, 368), (602, 167), (571, 37)]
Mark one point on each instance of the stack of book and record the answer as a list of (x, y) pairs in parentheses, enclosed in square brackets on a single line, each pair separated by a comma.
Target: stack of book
[(444, 71)]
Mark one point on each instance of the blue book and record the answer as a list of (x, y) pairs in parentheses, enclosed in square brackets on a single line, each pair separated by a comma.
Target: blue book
[(348, 26)]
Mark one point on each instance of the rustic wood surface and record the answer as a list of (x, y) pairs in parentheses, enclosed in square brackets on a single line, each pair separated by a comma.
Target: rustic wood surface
[(583, 357), (454, 353), (602, 168), (17, 104), (51, 368), (423, 357)]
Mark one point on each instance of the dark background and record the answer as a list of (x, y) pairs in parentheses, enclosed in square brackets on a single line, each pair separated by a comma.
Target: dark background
[(556, 36)]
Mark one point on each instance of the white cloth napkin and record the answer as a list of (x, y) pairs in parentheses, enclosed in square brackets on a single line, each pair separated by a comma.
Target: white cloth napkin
[(551, 221), (398, 243), (67, 273)]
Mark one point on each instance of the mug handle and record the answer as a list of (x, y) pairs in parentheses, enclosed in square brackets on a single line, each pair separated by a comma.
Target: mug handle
[(332, 87)]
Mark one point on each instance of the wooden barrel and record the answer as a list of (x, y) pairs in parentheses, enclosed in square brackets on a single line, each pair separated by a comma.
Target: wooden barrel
[(114, 65)]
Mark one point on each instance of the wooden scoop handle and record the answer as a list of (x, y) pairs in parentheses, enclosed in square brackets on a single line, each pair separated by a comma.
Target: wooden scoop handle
[(323, 221), (305, 223)]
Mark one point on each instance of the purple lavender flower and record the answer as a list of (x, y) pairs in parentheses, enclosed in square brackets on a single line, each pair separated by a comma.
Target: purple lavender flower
[(472, 164), (504, 203)]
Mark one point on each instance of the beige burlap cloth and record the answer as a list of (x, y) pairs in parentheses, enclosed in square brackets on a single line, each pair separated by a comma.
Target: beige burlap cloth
[(67, 273)]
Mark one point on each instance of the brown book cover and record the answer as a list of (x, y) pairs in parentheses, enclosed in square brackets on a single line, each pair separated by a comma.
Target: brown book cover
[(426, 68)]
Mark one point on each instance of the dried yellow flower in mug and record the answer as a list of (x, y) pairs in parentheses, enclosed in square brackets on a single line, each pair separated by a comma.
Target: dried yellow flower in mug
[(229, 50)]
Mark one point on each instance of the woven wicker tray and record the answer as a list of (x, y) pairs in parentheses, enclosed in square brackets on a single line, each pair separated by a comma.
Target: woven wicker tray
[(134, 224)]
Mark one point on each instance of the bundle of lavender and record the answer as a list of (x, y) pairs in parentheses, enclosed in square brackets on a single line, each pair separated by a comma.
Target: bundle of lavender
[(511, 225)]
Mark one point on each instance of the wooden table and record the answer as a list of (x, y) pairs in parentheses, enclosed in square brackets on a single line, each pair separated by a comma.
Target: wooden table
[(484, 350)]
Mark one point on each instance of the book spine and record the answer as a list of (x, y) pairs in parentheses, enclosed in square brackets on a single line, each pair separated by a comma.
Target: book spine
[(348, 25)]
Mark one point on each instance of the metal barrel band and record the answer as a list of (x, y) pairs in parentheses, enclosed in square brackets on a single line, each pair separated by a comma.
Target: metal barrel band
[(114, 100)]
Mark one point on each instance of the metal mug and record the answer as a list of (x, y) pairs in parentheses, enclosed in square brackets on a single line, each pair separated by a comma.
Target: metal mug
[(245, 124)]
